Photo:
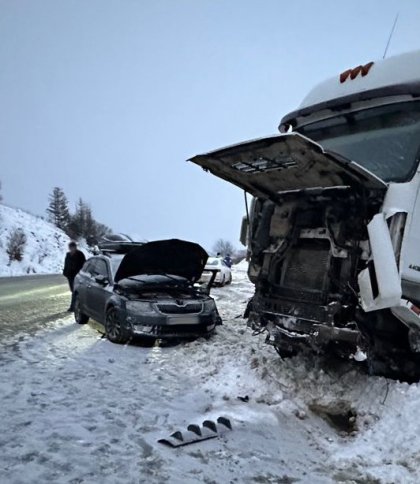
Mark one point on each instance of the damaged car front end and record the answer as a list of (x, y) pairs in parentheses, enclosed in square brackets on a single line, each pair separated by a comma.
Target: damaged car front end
[(147, 290), (155, 292), (164, 307)]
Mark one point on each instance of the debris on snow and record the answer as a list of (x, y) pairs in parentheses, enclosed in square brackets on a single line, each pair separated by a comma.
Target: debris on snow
[(194, 433), (360, 355)]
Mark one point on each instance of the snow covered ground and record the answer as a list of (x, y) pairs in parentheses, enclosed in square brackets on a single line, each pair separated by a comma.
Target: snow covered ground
[(45, 247), (75, 408)]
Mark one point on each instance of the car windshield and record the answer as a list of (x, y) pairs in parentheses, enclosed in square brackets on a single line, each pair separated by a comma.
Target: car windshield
[(213, 262), (384, 140)]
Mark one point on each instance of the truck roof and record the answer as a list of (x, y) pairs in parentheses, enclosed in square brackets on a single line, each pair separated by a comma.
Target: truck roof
[(395, 76)]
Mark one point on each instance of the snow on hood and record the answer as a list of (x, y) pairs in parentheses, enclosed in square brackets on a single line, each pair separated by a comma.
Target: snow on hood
[(176, 257), (268, 166)]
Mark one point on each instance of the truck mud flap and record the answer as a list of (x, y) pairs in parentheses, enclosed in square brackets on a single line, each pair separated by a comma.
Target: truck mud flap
[(195, 433)]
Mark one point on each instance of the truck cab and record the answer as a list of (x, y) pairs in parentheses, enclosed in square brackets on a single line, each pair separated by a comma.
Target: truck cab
[(333, 232)]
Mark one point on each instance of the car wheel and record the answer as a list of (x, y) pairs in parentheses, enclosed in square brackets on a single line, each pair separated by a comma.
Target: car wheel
[(114, 330), (79, 316), (229, 281)]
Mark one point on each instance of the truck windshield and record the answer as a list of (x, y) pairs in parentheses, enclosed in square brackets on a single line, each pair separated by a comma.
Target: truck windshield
[(385, 140)]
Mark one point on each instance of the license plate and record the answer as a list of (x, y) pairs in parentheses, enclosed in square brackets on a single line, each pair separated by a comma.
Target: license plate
[(183, 320)]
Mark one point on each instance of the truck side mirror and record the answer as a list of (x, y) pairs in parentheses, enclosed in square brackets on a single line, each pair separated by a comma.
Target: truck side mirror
[(244, 231)]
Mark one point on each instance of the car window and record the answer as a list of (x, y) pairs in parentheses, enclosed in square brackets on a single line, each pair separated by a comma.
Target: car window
[(89, 265), (100, 268), (213, 262)]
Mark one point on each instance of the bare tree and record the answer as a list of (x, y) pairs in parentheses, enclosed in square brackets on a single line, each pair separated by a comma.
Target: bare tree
[(15, 246), (223, 247)]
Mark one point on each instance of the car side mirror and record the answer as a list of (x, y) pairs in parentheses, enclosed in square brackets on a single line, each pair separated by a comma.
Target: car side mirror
[(244, 231), (101, 279)]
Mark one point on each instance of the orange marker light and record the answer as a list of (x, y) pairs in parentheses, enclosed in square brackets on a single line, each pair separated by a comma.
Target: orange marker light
[(353, 73)]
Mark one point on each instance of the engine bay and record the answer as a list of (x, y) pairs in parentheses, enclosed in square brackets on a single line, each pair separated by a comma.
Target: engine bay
[(306, 253)]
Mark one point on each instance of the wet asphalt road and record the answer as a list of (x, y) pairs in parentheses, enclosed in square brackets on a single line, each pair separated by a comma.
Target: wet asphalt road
[(29, 303)]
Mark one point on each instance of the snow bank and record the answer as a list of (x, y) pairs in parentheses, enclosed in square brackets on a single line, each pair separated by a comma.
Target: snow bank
[(241, 267), (45, 247)]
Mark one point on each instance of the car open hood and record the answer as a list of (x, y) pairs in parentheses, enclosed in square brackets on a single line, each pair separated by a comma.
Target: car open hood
[(268, 166), (177, 257)]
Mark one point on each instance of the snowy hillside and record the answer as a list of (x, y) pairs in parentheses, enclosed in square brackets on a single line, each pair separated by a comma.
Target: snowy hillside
[(45, 244)]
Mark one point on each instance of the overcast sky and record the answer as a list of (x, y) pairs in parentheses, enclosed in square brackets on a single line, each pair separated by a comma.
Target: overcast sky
[(107, 99)]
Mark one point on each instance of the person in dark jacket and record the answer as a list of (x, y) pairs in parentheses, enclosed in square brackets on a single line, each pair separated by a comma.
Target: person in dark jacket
[(228, 261), (73, 263)]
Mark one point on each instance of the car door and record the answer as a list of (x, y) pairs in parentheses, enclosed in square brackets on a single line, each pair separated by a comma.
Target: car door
[(99, 292), (83, 281)]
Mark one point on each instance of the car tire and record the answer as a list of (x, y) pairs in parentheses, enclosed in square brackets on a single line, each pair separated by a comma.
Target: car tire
[(114, 330), (79, 316)]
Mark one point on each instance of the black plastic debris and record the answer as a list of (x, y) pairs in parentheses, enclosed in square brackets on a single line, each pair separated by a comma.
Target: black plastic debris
[(195, 433)]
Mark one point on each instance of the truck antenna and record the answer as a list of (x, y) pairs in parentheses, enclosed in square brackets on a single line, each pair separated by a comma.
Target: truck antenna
[(391, 34)]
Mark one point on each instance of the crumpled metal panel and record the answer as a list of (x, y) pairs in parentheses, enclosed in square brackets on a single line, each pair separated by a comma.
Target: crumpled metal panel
[(196, 433)]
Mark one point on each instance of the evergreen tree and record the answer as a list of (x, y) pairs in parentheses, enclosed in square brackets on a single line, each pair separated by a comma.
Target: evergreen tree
[(58, 209), (84, 225), (77, 220)]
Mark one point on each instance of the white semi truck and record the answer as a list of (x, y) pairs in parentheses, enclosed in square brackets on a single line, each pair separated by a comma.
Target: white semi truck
[(334, 227)]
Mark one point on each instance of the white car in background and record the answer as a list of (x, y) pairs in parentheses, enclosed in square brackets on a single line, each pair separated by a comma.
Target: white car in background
[(224, 273)]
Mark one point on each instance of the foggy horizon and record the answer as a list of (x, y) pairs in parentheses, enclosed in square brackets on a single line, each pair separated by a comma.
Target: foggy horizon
[(109, 99)]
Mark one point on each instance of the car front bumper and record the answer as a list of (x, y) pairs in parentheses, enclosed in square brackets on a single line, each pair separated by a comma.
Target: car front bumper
[(172, 327)]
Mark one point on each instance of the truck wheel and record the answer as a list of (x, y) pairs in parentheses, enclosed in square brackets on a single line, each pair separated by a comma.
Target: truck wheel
[(404, 366), (114, 330), (285, 353), (81, 318)]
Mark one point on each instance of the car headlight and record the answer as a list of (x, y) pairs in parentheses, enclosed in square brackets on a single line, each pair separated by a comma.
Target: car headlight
[(140, 308), (209, 306)]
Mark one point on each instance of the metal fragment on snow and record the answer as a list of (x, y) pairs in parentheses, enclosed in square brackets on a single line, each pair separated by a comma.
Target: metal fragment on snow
[(195, 433)]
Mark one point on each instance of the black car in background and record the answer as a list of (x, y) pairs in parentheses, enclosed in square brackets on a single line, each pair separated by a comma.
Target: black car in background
[(146, 290)]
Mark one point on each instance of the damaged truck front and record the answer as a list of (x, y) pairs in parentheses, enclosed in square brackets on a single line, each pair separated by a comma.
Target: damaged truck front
[(334, 228)]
